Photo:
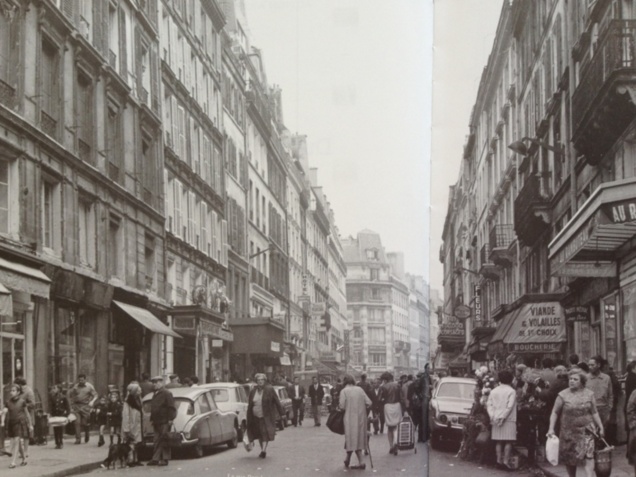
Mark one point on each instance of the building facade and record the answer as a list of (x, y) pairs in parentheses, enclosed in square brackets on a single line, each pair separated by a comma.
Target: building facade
[(539, 220)]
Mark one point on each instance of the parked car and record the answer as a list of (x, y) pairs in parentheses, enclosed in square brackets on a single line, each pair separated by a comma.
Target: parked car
[(450, 405), (231, 397), (286, 402), (199, 421)]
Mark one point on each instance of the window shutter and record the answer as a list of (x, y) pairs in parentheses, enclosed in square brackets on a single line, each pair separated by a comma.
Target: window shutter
[(154, 81), (191, 213), (69, 9), (29, 180), (177, 209), (215, 246), (224, 243), (203, 223), (175, 121), (209, 249), (123, 54), (138, 63), (70, 230), (169, 201)]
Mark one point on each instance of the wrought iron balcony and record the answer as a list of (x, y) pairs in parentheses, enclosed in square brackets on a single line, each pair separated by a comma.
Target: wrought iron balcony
[(48, 124), (532, 211), (488, 269), (603, 102), (7, 95), (501, 238)]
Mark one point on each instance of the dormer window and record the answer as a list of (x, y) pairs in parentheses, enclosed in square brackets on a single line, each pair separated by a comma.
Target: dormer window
[(372, 254)]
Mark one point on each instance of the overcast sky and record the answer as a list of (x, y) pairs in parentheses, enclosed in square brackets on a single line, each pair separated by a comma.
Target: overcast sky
[(463, 37), (356, 80)]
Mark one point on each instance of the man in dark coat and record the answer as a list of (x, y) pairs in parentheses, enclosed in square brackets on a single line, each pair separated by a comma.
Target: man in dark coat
[(316, 393), (367, 387), (263, 409), (146, 385), (377, 408), (162, 412), (297, 394)]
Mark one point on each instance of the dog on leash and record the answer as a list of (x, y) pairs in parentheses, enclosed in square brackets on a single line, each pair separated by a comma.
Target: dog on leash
[(117, 452)]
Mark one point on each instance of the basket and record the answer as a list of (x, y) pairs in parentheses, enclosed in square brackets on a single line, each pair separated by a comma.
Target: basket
[(603, 462)]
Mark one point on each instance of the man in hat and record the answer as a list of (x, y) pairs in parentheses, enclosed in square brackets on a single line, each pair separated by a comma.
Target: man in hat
[(162, 412), (175, 382)]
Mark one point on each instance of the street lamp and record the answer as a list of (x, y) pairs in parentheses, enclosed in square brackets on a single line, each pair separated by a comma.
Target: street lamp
[(520, 147)]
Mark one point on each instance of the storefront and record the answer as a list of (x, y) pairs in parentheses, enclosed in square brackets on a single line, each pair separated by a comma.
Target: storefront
[(595, 254), (532, 329), (23, 307), (257, 347), (204, 350)]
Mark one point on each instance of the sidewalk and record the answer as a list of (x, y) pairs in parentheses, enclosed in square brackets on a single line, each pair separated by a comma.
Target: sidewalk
[(46, 461), (620, 466)]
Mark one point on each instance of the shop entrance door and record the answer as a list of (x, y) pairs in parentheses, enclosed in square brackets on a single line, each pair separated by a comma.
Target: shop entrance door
[(12, 364)]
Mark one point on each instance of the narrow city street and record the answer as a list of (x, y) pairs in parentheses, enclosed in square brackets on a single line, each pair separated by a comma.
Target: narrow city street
[(443, 463), (297, 452)]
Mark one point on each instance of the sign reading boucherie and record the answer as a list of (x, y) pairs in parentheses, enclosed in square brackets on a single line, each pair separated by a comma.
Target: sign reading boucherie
[(538, 323)]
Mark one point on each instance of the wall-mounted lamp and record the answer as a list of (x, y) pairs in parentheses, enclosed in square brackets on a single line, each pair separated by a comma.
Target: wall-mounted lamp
[(520, 147)]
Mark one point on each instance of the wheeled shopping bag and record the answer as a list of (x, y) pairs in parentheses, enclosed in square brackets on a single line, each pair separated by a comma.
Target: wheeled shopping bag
[(406, 434)]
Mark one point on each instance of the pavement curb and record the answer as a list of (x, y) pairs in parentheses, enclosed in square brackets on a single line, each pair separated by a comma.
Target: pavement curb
[(79, 469)]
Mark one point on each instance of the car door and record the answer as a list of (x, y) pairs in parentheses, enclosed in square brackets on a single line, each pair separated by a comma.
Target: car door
[(217, 433), (203, 428)]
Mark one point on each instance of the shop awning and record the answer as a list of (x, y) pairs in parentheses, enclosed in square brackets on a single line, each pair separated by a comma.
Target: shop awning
[(587, 244), (6, 302), (19, 277), (146, 319), (503, 327), (538, 327)]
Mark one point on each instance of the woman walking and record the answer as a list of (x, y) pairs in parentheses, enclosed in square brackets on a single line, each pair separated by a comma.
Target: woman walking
[(577, 408), (390, 395), (60, 407), (355, 404), (502, 410), (18, 423), (263, 404), (131, 427)]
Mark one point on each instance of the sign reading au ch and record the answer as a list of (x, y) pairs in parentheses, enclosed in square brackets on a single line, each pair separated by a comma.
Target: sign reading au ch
[(620, 212)]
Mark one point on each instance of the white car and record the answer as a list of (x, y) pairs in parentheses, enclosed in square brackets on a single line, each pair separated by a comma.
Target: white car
[(450, 405), (231, 397)]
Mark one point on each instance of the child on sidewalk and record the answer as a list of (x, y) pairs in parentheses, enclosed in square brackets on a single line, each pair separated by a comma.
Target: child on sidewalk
[(98, 417), (19, 424), (113, 416)]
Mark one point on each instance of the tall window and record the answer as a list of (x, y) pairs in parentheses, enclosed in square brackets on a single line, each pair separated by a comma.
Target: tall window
[(87, 234), (114, 246), (84, 117), (149, 257), (4, 197), (114, 141), (51, 205), (49, 88)]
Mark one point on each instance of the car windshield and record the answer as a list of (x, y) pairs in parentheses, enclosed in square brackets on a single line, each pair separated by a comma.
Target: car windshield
[(456, 390), (220, 395)]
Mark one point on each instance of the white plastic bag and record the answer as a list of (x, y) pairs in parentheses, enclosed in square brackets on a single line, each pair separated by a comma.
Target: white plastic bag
[(246, 442), (552, 450)]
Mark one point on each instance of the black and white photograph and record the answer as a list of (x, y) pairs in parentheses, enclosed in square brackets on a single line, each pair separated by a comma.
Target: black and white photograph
[(215, 235)]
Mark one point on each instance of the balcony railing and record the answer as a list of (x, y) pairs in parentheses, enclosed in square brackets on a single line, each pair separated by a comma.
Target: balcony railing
[(7, 94), (600, 109), (84, 151), (112, 59), (501, 237), (531, 211), (48, 124)]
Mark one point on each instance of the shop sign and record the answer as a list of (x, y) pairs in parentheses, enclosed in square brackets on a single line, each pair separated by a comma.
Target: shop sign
[(611, 347), (538, 323), (318, 309), (183, 323), (477, 302), (620, 212), (462, 312), (535, 347), (217, 343), (275, 346), (577, 313), (452, 327)]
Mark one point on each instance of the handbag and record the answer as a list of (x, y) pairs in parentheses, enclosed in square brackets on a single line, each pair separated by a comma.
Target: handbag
[(335, 422), (174, 437)]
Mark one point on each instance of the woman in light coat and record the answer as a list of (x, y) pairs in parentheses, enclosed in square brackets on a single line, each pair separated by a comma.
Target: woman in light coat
[(502, 409), (131, 421), (355, 404)]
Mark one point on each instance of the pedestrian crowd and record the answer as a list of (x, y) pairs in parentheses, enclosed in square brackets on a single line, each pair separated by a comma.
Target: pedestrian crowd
[(575, 401), (368, 406)]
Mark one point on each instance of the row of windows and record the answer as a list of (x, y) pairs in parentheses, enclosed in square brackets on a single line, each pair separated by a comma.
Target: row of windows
[(194, 220)]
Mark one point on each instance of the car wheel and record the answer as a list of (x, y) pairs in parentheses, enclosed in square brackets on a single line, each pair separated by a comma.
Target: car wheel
[(232, 443), (197, 451)]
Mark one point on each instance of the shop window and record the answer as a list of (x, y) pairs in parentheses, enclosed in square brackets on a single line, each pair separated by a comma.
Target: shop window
[(63, 346)]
